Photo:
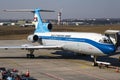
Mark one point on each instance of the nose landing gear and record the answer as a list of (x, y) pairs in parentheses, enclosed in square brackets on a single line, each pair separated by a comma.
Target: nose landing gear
[(94, 60)]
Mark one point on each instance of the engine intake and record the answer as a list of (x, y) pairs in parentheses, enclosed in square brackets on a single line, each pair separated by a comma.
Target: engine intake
[(33, 38), (48, 26)]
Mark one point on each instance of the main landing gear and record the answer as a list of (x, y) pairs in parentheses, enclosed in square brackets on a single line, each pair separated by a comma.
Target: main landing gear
[(31, 55)]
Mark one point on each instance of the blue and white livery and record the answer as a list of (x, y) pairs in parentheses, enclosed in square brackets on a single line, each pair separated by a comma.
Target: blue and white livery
[(80, 42)]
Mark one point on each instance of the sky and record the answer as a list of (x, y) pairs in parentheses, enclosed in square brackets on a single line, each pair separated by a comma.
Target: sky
[(70, 8)]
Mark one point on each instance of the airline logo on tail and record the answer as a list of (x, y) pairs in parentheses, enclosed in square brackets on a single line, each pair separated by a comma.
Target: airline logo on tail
[(35, 19)]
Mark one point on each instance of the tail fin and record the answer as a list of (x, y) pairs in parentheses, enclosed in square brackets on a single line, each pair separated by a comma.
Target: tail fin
[(38, 21), (39, 25)]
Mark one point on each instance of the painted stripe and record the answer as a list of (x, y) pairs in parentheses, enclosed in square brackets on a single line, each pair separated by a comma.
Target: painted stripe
[(104, 47)]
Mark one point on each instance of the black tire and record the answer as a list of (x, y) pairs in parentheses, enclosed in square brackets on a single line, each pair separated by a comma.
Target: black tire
[(28, 55)]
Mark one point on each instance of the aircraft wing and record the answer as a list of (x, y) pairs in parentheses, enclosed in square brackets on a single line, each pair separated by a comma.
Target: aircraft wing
[(27, 47), (30, 48)]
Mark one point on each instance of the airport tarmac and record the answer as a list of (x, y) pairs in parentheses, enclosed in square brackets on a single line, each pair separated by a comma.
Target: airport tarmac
[(50, 65)]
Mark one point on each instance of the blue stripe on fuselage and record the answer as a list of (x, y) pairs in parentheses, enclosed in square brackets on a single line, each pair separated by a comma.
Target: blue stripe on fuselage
[(104, 47)]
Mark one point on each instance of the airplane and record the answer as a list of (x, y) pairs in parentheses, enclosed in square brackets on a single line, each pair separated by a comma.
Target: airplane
[(93, 44)]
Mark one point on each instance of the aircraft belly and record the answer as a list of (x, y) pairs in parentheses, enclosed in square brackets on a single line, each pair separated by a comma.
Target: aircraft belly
[(82, 48), (90, 49), (78, 47)]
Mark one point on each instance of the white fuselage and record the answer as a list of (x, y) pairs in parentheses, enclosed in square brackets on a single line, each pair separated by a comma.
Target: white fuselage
[(86, 43)]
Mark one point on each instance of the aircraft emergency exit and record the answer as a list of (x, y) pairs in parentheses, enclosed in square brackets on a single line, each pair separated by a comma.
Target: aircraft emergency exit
[(80, 42)]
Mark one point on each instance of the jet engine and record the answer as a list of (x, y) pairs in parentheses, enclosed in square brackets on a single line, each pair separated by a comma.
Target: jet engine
[(32, 38), (48, 26)]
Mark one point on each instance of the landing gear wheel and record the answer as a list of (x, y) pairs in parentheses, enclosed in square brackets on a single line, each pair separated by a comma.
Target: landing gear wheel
[(94, 64), (30, 55)]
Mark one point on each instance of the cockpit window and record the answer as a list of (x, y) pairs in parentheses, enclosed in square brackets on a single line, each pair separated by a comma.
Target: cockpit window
[(105, 40)]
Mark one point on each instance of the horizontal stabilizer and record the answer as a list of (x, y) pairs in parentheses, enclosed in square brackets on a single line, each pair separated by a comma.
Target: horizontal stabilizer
[(27, 10), (47, 11), (19, 10)]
